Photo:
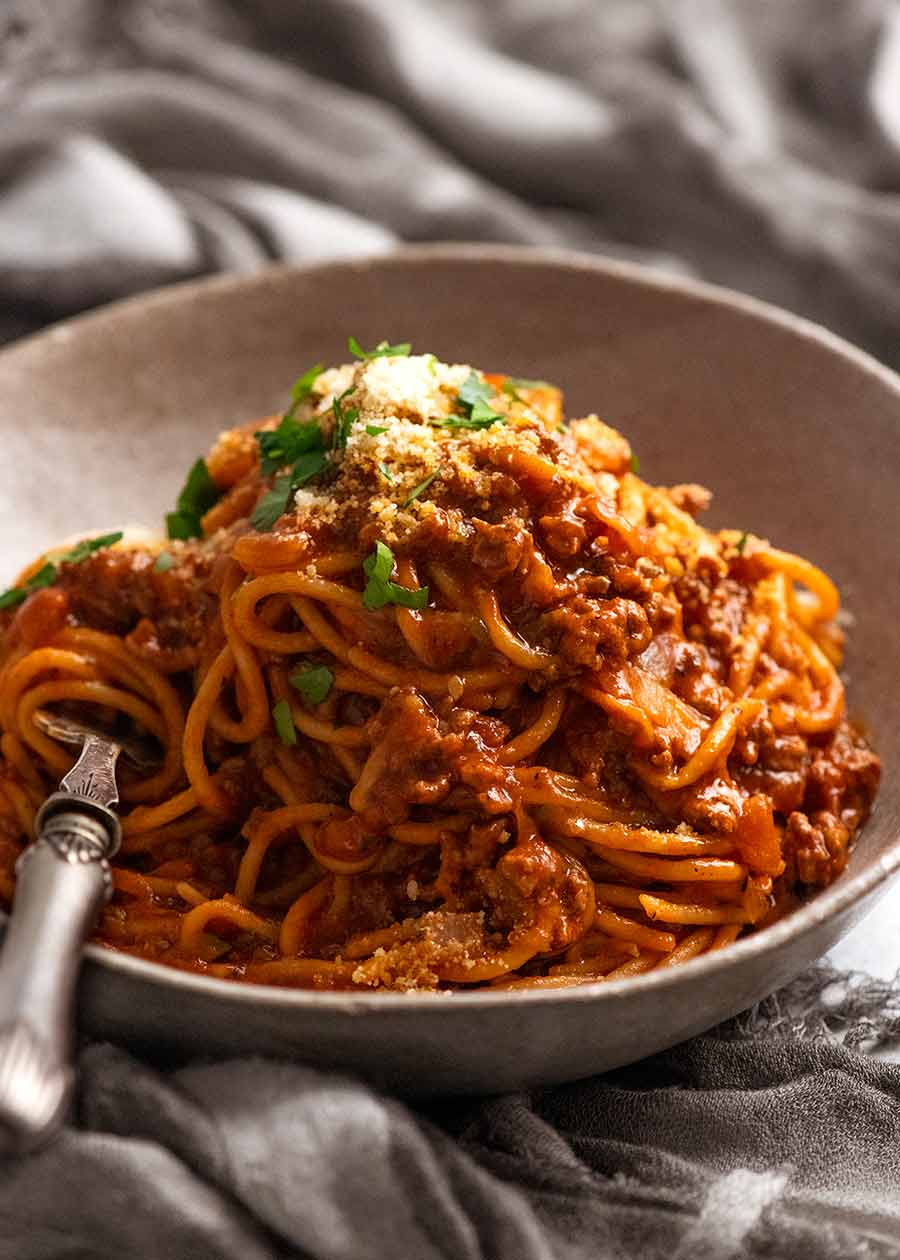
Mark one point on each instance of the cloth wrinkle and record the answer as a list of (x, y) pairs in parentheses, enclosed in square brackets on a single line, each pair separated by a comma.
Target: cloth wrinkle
[(756, 145)]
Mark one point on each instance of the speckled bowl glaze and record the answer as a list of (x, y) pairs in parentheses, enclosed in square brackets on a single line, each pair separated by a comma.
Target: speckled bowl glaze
[(797, 433)]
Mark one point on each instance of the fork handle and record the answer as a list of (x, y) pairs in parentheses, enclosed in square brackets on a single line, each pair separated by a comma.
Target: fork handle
[(63, 879)]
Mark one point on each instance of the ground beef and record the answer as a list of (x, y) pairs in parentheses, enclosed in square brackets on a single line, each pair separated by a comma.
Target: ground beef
[(587, 632), (780, 771), (816, 847), (713, 611), (118, 590)]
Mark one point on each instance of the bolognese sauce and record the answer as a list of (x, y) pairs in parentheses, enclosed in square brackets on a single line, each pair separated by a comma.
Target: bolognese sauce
[(445, 694)]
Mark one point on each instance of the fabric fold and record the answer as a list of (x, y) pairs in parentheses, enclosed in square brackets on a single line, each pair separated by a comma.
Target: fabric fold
[(749, 1142), (753, 145)]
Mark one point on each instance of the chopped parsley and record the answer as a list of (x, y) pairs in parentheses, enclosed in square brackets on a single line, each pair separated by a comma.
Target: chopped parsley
[(386, 472), (303, 386), (481, 421), (198, 495), (314, 682), (272, 505), (741, 544), (373, 430), (277, 501), (45, 576), (344, 419), (284, 723), (283, 445), (513, 384), (17, 594), (473, 390), (483, 413), (300, 446), (48, 573), (420, 488), (382, 351), (163, 563), (380, 590), (88, 546), (475, 410), (634, 464), (307, 467)]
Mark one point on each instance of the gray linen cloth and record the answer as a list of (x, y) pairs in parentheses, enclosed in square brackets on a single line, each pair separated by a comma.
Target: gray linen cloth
[(767, 1139), (756, 144)]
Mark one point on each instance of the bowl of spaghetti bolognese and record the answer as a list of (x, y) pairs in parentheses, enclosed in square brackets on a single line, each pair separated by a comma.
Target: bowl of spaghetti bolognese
[(484, 609)]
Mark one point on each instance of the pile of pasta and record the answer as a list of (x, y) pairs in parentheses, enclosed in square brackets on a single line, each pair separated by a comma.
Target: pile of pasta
[(443, 694)]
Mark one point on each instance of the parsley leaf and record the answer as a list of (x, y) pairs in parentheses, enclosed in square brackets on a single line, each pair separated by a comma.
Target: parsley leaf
[(379, 566), (303, 386), (87, 546), (301, 444), (313, 682), (198, 495), (45, 576), (476, 411), (200, 491), (473, 390), (343, 420), (421, 487), (284, 723), (382, 350), (164, 562), (484, 414), (380, 590), (469, 422), (634, 464), (15, 595), (183, 525), (48, 573), (273, 504), (307, 467), (513, 384), (404, 598), (283, 445)]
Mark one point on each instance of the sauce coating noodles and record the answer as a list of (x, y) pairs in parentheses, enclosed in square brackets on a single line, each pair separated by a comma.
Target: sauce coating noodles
[(477, 706)]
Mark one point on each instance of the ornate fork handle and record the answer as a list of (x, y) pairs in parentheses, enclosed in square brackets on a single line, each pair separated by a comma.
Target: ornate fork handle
[(63, 879)]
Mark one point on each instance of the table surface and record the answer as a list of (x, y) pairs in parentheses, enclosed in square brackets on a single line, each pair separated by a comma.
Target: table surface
[(873, 945)]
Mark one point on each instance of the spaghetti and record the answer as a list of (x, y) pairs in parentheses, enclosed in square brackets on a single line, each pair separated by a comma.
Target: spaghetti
[(445, 695)]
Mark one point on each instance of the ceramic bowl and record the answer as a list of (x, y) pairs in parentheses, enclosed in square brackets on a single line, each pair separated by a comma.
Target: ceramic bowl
[(796, 432)]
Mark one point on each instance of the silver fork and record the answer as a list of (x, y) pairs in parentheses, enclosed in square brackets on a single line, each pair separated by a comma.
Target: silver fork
[(62, 880)]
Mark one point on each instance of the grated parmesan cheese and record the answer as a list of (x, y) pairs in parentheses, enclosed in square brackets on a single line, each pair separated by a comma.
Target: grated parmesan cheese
[(417, 387), (331, 384), (377, 473)]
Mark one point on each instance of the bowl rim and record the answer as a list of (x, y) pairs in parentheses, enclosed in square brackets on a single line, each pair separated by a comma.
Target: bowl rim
[(823, 906)]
